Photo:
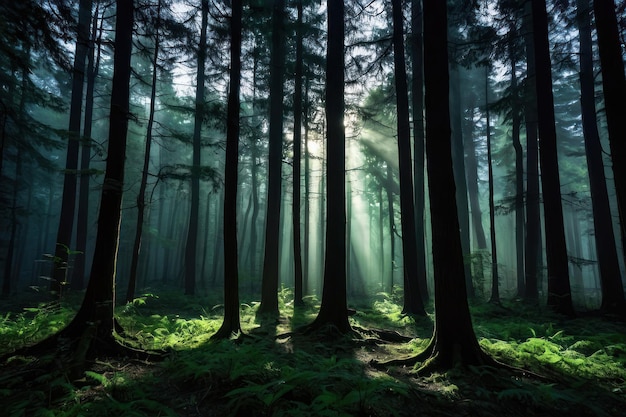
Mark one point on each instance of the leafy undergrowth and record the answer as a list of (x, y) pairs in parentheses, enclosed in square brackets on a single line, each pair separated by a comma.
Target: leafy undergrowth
[(277, 371)]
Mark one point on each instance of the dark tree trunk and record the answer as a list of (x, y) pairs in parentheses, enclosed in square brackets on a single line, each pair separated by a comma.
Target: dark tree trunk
[(559, 293), (417, 92), (141, 195), (454, 341), (612, 287), (495, 287), (231, 324), (307, 200), (269, 290), (68, 202), (334, 309), (614, 88), (519, 172), (82, 218), (99, 301), (532, 264), (392, 226), (473, 194), (458, 159), (413, 303), (194, 215), (297, 152)]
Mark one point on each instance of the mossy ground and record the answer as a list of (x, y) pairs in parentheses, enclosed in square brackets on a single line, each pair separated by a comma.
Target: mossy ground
[(277, 371)]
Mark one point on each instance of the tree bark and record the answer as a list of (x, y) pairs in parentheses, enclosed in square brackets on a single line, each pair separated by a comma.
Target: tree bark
[(232, 324), (559, 292), (612, 287), (413, 303)]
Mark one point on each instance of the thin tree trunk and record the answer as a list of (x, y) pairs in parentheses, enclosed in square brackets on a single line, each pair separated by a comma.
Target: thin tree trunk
[(559, 292), (495, 288), (191, 247), (231, 324), (417, 91), (269, 290), (413, 303), (68, 202), (141, 195), (392, 225), (297, 156)]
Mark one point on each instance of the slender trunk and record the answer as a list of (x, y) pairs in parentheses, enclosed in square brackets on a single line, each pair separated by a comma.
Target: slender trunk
[(559, 293), (82, 219), (68, 202), (532, 265), (297, 152), (141, 195), (231, 324), (205, 244), (495, 288), (417, 92), (413, 303), (269, 291), (334, 309), (8, 262), (307, 199), (392, 225)]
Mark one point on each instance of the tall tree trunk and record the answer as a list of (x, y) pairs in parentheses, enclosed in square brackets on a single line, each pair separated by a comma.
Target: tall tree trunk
[(307, 199), (413, 303), (231, 324), (68, 202), (191, 247), (458, 159), (612, 287), (141, 195), (559, 293), (454, 341), (99, 301), (532, 264), (519, 173), (334, 309), (614, 88), (495, 287), (474, 194), (82, 218), (297, 152), (392, 226), (269, 290), (417, 92), (8, 261)]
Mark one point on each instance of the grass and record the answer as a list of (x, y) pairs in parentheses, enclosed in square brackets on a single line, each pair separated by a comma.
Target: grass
[(278, 372)]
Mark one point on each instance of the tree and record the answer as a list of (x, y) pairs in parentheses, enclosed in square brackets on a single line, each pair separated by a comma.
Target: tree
[(297, 156), (559, 293), (232, 324), (614, 88), (417, 93), (413, 303), (612, 288), (192, 231), (269, 291), (454, 341), (68, 202), (495, 288), (334, 309)]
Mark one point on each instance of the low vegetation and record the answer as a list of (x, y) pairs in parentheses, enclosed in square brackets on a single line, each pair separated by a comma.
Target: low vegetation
[(567, 367)]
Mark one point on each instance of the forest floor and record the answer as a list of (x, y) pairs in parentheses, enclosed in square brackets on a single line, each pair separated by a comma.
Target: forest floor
[(575, 367)]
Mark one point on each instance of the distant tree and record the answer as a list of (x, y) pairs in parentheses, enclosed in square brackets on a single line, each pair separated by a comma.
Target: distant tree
[(559, 293), (612, 288), (614, 88), (269, 291), (334, 310), (192, 230), (232, 324), (82, 216), (413, 302), (68, 202)]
